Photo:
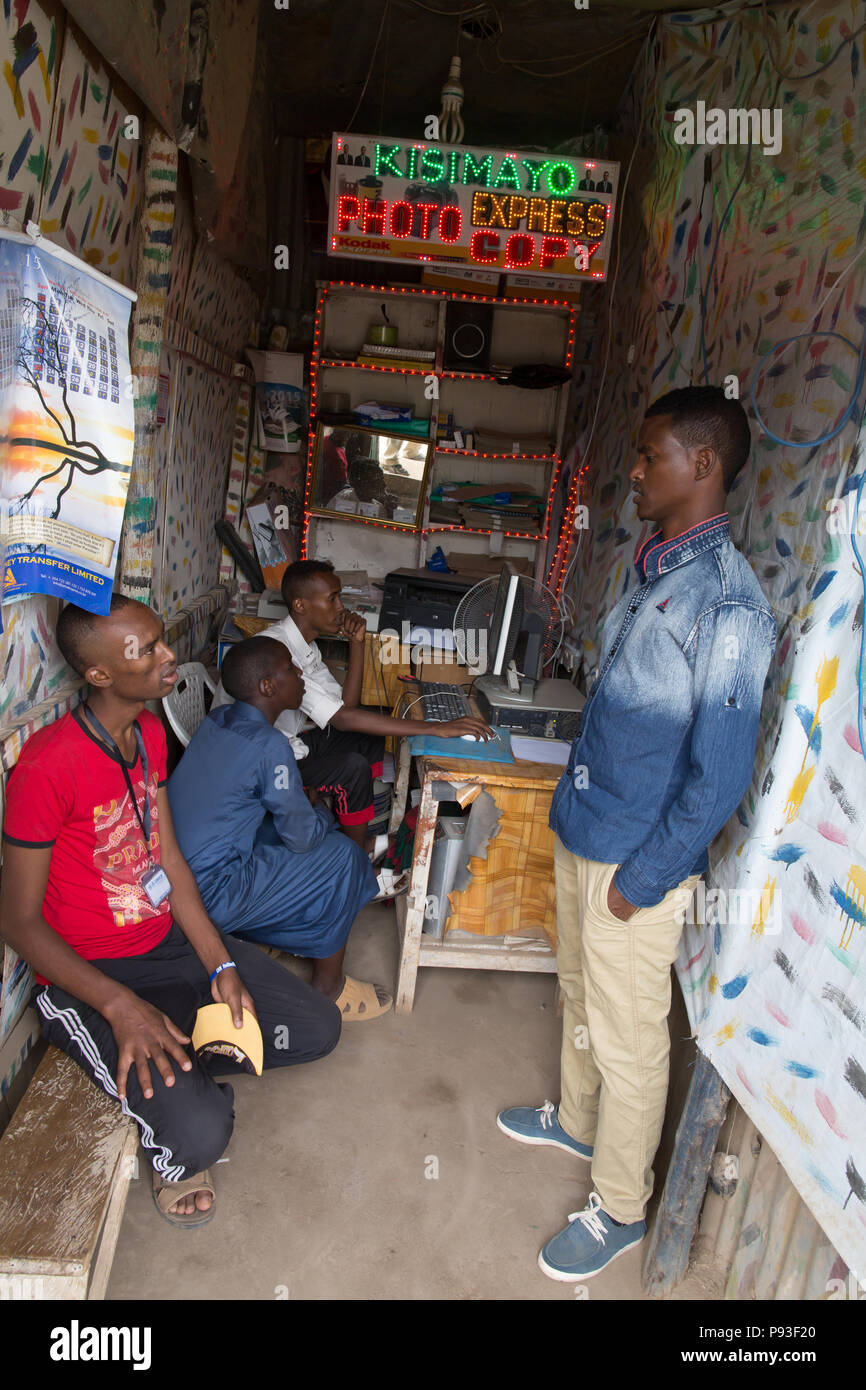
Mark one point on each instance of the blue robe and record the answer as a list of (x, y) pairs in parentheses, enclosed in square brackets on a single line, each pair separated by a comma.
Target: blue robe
[(269, 866)]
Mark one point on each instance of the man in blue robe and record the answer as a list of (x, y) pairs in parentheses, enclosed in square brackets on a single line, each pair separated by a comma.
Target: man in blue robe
[(270, 866)]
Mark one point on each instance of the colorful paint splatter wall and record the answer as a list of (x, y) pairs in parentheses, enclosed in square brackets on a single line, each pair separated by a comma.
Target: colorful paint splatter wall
[(149, 47), (65, 162), (31, 43), (210, 312), (192, 469), (741, 250), (66, 165)]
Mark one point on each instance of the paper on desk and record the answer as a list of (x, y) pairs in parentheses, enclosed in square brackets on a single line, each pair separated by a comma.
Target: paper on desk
[(540, 750)]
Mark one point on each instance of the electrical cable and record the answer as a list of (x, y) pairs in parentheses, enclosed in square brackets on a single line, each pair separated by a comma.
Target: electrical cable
[(708, 282), (586, 451), (384, 72), (815, 72), (464, 11), (862, 567), (576, 67), (617, 264), (849, 409), (387, 7), (709, 279), (837, 282)]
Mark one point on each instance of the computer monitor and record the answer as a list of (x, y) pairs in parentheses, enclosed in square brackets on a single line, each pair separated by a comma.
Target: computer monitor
[(505, 621), (517, 632)]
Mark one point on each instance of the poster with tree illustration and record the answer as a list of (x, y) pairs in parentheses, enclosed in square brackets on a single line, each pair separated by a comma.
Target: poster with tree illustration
[(66, 424)]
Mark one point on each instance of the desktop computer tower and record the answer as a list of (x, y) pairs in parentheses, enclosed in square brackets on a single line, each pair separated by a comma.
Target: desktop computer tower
[(447, 848), (554, 712)]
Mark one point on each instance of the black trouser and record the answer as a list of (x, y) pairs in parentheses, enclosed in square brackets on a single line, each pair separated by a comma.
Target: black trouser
[(186, 1127), (344, 763)]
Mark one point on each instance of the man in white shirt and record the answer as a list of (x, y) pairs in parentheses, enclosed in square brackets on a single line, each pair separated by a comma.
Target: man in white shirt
[(338, 746), (365, 492)]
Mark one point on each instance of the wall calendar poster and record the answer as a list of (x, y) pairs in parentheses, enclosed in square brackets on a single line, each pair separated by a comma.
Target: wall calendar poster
[(66, 423)]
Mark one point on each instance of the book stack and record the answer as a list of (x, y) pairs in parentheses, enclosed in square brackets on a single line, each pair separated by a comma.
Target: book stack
[(477, 507), (409, 359)]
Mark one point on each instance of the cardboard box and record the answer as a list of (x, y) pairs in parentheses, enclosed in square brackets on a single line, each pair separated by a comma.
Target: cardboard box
[(447, 672), (541, 287), (484, 282), (475, 562)]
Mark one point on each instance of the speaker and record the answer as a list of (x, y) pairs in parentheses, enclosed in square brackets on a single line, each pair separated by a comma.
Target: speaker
[(468, 329)]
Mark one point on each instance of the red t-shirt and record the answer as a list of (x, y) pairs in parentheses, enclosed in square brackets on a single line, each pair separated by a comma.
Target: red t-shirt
[(68, 791)]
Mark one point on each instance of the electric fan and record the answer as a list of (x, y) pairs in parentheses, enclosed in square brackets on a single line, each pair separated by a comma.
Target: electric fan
[(509, 629)]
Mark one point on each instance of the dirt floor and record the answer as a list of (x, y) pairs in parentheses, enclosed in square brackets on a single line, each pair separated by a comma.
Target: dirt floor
[(326, 1193)]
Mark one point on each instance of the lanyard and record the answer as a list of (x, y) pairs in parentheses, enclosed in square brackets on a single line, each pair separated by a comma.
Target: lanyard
[(145, 820)]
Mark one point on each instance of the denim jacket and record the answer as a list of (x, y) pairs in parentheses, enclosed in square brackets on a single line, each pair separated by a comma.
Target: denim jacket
[(667, 742)]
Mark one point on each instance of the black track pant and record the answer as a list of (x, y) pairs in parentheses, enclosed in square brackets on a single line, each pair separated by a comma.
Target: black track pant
[(344, 763), (186, 1127)]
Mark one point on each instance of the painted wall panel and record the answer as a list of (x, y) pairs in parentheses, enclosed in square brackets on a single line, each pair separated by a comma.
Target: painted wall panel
[(146, 42), (769, 246), (219, 305), (191, 477), (226, 30), (93, 185), (31, 38), (182, 244)]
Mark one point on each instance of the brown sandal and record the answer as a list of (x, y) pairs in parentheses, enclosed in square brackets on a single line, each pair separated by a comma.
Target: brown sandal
[(360, 1000), (166, 1194)]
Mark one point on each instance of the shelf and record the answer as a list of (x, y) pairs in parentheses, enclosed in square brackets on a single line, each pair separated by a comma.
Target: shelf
[(477, 454), (436, 526), (491, 376), (380, 427), (371, 367), (347, 362), (561, 305)]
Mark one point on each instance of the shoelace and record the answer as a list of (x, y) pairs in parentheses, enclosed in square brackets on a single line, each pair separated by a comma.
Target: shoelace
[(591, 1218), (546, 1112)]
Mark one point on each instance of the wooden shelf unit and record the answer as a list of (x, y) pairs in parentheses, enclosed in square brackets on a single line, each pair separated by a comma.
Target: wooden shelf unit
[(539, 330)]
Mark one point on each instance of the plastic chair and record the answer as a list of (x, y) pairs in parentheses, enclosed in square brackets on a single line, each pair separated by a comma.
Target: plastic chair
[(184, 706)]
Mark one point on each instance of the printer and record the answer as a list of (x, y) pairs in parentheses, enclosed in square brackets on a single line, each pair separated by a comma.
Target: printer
[(422, 598)]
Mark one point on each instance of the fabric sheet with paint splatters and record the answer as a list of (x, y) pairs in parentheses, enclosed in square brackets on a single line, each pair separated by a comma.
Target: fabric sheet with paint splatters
[(776, 986)]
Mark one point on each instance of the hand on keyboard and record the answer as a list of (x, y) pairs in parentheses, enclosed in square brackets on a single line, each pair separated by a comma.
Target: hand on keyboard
[(458, 728)]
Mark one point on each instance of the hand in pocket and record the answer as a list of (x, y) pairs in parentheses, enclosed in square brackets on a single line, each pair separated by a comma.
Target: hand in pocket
[(617, 905)]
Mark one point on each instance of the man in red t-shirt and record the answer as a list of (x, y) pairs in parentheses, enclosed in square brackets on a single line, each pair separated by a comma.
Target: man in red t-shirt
[(97, 896)]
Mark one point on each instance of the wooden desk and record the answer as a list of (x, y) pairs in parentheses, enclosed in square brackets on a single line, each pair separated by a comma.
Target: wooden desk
[(516, 889)]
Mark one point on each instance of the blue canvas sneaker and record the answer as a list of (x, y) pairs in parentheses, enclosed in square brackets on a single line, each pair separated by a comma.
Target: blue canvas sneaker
[(588, 1244), (540, 1126)]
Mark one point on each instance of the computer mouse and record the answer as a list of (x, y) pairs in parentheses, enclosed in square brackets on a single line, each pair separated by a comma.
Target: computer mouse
[(468, 738)]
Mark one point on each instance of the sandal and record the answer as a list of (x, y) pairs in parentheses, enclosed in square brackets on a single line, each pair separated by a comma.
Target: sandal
[(391, 885), (166, 1194), (360, 1000)]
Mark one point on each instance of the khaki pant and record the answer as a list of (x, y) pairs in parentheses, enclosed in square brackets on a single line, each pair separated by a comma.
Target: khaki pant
[(616, 978)]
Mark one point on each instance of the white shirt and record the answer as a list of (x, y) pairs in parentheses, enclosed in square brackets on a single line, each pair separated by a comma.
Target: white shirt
[(347, 500), (322, 695)]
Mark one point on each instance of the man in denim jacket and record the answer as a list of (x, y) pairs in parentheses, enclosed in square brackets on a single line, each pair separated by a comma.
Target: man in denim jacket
[(663, 759)]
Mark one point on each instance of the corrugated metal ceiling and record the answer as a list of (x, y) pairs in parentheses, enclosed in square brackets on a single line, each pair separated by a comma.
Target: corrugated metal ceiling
[(546, 71)]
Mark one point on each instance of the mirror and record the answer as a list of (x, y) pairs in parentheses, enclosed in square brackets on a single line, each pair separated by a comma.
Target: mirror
[(360, 473)]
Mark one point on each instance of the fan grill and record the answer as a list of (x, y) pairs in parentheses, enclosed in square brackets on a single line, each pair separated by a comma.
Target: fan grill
[(475, 614)]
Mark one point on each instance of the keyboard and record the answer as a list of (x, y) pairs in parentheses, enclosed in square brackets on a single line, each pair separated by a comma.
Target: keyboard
[(444, 701)]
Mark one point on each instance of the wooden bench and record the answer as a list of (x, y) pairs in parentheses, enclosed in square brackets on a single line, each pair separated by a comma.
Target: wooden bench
[(66, 1161)]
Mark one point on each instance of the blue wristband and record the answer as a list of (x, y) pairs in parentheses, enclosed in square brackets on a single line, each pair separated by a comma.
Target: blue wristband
[(226, 965)]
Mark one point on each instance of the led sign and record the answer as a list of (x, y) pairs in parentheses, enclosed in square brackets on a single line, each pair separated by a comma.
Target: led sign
[(459, 205)]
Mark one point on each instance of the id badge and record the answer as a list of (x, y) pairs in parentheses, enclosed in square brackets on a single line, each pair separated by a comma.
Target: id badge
[(156, 885)]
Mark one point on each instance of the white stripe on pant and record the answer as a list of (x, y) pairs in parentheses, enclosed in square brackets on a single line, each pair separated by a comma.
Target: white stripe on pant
[(79, 1035)]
